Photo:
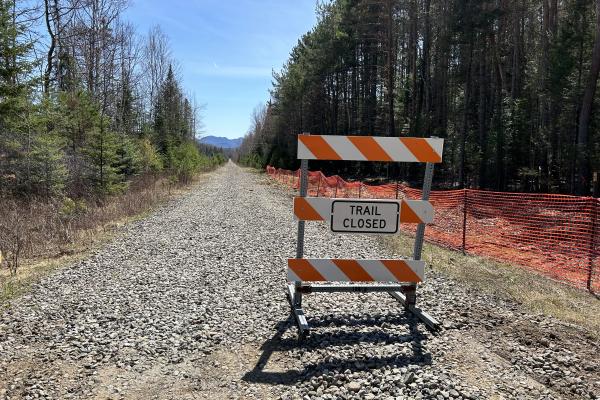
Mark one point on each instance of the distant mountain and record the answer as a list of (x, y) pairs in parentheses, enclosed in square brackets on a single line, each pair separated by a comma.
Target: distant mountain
[(222, 142)]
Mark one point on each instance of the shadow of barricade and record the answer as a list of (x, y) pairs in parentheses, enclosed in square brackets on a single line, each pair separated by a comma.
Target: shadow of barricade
[(319, 339)]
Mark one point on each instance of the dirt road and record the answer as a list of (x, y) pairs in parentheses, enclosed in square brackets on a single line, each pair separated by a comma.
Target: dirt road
[(189, 304)]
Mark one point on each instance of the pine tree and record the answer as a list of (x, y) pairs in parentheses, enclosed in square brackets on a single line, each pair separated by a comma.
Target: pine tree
[(168, 123), (103, 162), (15, 65), (16, 84), (49, 172)]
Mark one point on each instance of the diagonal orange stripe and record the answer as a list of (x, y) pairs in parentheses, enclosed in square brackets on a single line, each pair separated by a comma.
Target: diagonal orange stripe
[(401, 271), (353, 270), (407, 215), (304, 211), (421, 149), (319, 147), (369, 148), (304, 270)]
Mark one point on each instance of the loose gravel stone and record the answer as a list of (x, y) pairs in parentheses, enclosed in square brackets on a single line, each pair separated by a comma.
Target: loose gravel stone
[(189, 303)]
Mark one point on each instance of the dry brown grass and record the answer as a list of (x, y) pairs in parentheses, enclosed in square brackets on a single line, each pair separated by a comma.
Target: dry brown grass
[(36, 237), (535, 292)]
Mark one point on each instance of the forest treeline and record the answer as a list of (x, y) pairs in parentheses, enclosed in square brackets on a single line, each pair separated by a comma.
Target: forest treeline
[(510, 86), (87, 104)]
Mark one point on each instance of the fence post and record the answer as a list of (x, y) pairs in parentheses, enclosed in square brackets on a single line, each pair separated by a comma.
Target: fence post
[(359, 189), (319, 184), (464, 227), (593, 213)]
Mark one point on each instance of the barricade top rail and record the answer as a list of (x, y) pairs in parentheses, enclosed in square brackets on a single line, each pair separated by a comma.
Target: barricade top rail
[(370, 148)]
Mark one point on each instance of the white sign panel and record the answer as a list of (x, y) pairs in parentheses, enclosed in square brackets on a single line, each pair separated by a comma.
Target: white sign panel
[(364, 216)]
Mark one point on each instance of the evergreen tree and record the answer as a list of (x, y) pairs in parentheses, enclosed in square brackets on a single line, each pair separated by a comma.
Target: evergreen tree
[(49, 172), (15, 66), (16, 84), (168, 123), (103, 162)]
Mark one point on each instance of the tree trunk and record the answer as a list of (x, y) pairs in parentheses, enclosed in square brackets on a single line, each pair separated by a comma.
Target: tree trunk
[(51, 48), (465, 128), (583, 157), (391, 66), (483, 145)]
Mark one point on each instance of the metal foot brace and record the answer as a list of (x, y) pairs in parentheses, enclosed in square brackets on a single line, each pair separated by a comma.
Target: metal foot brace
[(294, 295)]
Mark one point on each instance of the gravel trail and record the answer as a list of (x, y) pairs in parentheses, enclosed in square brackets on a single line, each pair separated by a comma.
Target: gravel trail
[(189, 304)]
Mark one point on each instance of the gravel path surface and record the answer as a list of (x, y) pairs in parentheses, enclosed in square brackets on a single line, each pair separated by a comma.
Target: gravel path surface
[(189, 304)]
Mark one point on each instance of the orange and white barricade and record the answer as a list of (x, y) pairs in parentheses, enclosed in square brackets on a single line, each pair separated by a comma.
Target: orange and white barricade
[(398, 277)]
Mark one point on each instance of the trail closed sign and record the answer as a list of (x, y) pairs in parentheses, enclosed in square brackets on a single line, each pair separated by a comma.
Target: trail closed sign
[(364, 216)]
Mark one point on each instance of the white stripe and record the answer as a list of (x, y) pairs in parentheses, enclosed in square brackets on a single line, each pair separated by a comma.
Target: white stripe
[(418, 267), (344, 147), (304, 153), (437, 144), (322, 205), (396, 149), (292, 277), (423, 209), (377, 270), (329, 270)]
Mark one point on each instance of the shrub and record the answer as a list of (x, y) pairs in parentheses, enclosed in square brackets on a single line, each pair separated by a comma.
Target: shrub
[(149, 159), (186, 161)]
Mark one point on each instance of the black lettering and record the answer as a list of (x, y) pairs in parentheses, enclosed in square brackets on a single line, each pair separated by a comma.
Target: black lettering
[(359, 210), (352, 209), (383, 223), (346, 222), (376, 210)]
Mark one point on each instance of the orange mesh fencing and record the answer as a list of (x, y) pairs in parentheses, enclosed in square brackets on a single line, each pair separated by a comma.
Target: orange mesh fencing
[(556, 235)]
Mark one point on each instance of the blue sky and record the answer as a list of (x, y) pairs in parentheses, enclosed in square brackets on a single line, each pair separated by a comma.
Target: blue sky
[(227, 49)]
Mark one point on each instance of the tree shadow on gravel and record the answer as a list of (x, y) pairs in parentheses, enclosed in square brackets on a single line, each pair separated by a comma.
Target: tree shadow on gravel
[(319, 340)]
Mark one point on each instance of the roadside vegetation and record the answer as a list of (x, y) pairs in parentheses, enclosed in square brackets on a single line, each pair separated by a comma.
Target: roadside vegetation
[(95, 128), (39, 236), (536, 293)]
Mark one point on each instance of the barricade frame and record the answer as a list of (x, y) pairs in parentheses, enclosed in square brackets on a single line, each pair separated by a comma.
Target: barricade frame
[(404, 293)]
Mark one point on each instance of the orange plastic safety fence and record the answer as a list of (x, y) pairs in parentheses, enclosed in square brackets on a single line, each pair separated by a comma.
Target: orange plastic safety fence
[(557, 235)]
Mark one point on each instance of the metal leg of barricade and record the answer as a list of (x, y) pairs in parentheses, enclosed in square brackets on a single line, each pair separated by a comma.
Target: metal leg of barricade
[(293, 290), (427, 319), (408, 295), (293, 296), (397, 291)]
